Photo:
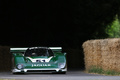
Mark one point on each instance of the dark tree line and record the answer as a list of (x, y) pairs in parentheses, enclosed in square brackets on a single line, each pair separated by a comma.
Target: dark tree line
[(55, 22)]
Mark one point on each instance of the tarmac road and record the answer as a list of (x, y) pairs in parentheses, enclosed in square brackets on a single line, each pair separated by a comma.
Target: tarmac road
[(70, 75)]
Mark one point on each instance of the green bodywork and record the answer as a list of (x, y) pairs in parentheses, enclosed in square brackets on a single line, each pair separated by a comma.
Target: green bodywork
[(19, 58)]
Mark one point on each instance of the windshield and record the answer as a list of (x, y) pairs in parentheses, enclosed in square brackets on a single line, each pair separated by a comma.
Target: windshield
[(38, 52)]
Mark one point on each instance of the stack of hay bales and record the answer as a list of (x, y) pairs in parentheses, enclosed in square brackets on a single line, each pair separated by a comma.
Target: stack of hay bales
[(104, 53)]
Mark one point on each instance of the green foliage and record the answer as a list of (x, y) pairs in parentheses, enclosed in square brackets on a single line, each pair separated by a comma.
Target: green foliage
[(95, 69), (99, 70), (113, 30), (108, 72)]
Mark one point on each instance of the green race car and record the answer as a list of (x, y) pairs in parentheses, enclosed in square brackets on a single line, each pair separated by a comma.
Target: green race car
[(38, 59)]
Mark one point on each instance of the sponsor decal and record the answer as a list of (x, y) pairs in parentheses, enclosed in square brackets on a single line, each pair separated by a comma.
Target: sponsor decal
[(40, 59), (40, 65)]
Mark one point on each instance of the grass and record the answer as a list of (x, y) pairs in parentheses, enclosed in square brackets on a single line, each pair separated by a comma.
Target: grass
[(99, 70)]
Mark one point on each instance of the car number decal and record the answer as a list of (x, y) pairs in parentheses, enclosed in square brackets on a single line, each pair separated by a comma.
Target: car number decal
[(40, 59)]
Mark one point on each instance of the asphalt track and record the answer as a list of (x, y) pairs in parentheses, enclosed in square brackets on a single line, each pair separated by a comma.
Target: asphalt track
[(70, 75)]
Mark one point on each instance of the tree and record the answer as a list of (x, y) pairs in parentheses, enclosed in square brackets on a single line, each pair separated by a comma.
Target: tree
[(113, 30)]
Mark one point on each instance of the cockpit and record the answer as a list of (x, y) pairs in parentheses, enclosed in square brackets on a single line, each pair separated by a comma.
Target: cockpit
[(30, 52)]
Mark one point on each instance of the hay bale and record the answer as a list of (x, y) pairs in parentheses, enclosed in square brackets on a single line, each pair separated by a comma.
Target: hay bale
[(87, 50), (103, 53)]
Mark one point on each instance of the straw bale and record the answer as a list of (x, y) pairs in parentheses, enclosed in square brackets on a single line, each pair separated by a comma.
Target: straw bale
[(103, 53), (104, 45), (96, 45)]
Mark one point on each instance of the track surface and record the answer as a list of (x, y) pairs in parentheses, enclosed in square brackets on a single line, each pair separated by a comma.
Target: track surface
[(71, 75)]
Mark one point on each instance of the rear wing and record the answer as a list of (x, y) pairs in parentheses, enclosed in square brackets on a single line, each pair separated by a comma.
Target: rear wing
[(16, 50), (56, 49), (20, 50)]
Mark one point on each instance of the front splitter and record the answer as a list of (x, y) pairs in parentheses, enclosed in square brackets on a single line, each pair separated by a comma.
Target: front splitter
[(39, 70)]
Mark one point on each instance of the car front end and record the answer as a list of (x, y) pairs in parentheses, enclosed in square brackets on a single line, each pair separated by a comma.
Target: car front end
[(40, 68), (38, 60)]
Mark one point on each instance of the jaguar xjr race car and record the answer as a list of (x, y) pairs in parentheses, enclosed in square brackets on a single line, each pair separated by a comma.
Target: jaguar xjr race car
[(38, 59)]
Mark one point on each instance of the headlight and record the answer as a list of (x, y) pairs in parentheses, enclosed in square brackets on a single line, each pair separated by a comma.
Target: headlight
[(20, 66), (61, 65)]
